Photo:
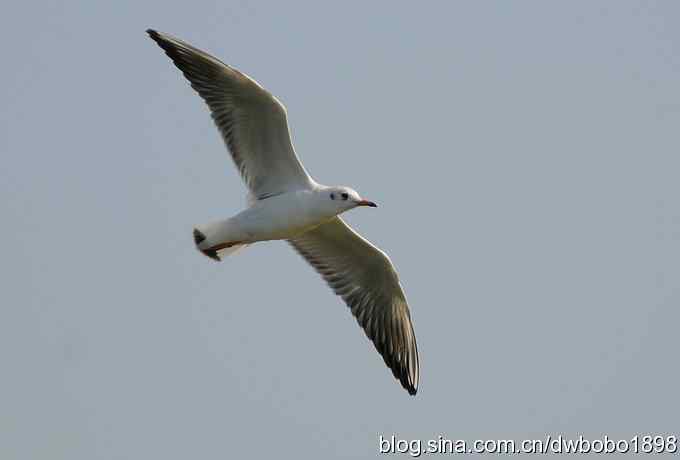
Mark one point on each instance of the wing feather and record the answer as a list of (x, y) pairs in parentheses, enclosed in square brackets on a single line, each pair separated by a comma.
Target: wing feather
[(253, 123), (365, 278)]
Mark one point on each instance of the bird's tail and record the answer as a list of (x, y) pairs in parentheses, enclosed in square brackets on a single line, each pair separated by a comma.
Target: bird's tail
[(215, 240)]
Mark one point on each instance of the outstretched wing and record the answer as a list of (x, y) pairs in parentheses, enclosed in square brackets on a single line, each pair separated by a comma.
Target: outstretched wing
[(253, 123), (366, 280)]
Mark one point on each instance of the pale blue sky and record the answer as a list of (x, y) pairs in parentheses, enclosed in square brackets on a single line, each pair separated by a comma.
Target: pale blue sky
[(525, 158)]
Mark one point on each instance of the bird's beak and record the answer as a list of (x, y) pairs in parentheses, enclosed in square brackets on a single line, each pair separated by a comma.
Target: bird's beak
[(366, 203)]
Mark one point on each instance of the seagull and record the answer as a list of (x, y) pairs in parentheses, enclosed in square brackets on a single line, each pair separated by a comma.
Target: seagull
[(285, 203)]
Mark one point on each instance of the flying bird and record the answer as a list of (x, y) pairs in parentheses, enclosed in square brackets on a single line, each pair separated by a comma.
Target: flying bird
[(285, 203)]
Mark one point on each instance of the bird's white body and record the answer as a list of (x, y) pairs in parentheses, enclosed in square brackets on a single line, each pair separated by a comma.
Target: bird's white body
[(279, 217), (287, 204)]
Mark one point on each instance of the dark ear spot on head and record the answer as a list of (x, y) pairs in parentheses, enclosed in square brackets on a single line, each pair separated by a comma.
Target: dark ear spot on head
[(332, 196), (345, 196)]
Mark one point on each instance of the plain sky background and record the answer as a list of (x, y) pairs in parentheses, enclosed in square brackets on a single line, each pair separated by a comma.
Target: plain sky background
[(525, 158)]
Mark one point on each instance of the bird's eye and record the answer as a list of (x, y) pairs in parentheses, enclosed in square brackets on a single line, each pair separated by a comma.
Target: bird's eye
[(332, 196), (345, 196)]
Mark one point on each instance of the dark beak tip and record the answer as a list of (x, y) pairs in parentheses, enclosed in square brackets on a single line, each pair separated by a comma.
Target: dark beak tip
[(370, 204)]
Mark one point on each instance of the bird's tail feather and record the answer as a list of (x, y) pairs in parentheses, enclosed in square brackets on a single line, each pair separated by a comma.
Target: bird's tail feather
[(213, 240)]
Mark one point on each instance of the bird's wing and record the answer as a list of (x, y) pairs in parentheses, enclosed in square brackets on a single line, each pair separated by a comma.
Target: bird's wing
[(365, 278), (253, 123)]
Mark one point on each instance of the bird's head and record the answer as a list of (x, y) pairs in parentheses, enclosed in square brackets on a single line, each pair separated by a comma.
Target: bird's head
[(345, 198)]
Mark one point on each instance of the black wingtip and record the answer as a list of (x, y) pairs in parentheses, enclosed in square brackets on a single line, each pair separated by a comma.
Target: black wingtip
[(155, 35), (407, 383)]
